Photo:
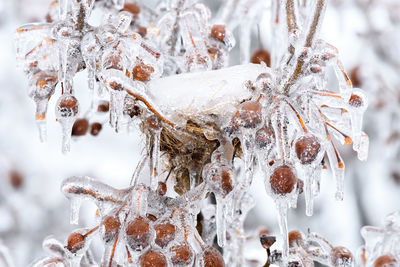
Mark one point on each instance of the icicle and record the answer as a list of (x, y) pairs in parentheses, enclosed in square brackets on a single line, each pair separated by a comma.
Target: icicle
[(310, 175), (154, 159), (248, 154), (74, 211), (67, 109), (282, 211), (116, 108), (245, 33), (337, 167), (221, 220)]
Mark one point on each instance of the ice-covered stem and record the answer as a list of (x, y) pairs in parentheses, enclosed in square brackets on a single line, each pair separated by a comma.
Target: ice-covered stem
[(315, 25), (291, 16)]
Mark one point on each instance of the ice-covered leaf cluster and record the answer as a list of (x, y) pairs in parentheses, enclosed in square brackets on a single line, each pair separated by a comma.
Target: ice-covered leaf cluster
[(168, 70), (381, 243)]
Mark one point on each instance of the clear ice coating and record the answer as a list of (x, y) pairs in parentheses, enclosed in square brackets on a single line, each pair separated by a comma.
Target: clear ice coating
[(168, 68)]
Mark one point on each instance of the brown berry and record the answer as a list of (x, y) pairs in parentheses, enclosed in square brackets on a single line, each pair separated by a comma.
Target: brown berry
[(76, 242), (267, 241), (283, 180), (162, 188), (111, 228), (142, 31), (153, 258), (95, 128), (307, 149), (212, 258), (165, 233), (181, 255), (264, 137), (355, 77), (153, 122), (16, 179), (151, 217), (340, 256), (226, 182), (249, 114), (142, 72), (80, 127), (113, 62), (138, 233), (355, 101), (104, 106), (295, 238), (218, 32), (386, 261), (261, 56), (132, 8)]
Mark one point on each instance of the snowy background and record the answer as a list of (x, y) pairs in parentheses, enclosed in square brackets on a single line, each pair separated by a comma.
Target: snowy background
[(37, 208)]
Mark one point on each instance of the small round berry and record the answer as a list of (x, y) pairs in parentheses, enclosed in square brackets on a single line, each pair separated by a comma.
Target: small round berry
[(162, 188), (219, 178), (142, 31), (153, 122), (165, 233), (132, 8), (218, 32), (80, 127), (264, 137), (130, 107), (355, 76), (111, 228), (355, 101), (95, 128), (261, 56), (153, 258), (104, 106), (113, 62), (151, 217), (283, 180), (267, 241), (138, 233), (212, 258), (76, 242), (67, 106), (16, 179), (295, 238), (386, 261), (249, 114), (142, 72), (341, 256), (307, 149), (181, 255)]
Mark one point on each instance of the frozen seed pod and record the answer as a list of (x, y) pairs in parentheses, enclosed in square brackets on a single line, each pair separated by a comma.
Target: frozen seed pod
[(165, 233), (248, 115), (138, 233), (181, 255), (307, 149), (153, 258), (341, 257), (386, 261), (212, 258), (283, 180), (75, 242), (80, 127), (111, 226), (218, 32), (261, 56)]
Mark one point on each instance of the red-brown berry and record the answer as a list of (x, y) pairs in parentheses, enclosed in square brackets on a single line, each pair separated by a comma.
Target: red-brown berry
[(307, 149), (80, 127), (283, 180), (142, 72), (181, 255), (153, 258), (386, 261), (132, 8), (76, 242), (264, 137), (261, 56), (267, 241), (355, 76), (295, 238), (138, 233), (218, 32), (162, 188), (165, 233), (95, 128), (355, 101), (340, 256), (16, 179), (111, 226), (212, 258), (104, 106), (249, 114)]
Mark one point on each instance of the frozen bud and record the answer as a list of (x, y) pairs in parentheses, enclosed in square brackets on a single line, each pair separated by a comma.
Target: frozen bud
[(111, 228), (386, 261), (76, 242), (16, 179), (249, 114), (67, 106), (295, 239), (283, 180), (80, 127), (153, 258), (181, 255), (165, 233), (307, 149), (95, 128), (104, 106), (267, 241), (162, 188), (219, 178), (212, 258), (261, 56), (132, 8), (138, 233), (341, 256), (218, 32), (264, 137), (142, 72)]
